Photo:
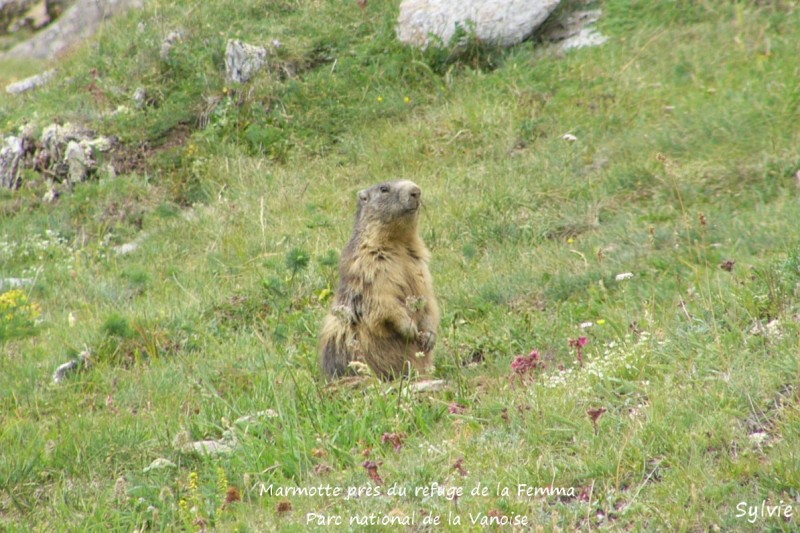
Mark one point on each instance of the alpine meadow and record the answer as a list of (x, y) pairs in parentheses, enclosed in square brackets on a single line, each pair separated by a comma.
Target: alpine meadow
[(615, 248)]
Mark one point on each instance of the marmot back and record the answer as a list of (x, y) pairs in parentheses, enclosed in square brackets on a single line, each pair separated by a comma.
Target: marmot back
[(384, 313)]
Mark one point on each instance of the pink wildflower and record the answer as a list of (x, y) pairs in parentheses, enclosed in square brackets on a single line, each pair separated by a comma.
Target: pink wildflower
[(523, 364), (578, 344)]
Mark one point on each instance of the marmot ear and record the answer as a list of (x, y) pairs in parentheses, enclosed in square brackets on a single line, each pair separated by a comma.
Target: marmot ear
[(363, 195)]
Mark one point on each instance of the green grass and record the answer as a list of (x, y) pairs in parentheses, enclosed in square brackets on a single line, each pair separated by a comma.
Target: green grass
[(240, 199)]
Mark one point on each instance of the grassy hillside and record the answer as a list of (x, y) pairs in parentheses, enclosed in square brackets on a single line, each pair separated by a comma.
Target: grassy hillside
[(653, 264)]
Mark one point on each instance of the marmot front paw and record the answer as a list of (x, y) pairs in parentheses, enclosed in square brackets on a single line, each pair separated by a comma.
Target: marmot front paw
[(427, 340)]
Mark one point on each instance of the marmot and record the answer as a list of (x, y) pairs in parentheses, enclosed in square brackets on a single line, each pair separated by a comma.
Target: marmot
[(384, 312)]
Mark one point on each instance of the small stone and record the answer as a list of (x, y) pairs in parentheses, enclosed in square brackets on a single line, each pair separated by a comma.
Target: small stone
[(160, 464), (100, 144), (14, 283), (77, 163), (758, 437), (209, 448), (243, 61), (428, 385), (110, 171), (127, 248), (772, 329), (120, 110), (586, 37), (569, 137), (50, 196), (10, 156), (182, 439), (624, 276), (83, 361), (121, 489), (28, 133), (255, 417), (140, 98), (170, 41), (574, 30), (30, 83), (130, 247)]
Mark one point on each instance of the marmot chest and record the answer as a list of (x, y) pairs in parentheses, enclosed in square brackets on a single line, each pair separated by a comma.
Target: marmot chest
[(393, 268)]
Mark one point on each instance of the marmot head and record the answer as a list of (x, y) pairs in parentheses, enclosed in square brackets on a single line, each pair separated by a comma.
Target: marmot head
[(393, 203)]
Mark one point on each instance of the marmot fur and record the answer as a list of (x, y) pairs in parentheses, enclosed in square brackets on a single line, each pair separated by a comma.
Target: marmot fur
[(384, 313)]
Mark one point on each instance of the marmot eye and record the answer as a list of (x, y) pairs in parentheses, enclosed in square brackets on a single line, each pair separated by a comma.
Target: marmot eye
[(384, 188)]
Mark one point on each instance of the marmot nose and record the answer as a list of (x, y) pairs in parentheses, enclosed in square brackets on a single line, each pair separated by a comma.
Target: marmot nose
[(415, 192)]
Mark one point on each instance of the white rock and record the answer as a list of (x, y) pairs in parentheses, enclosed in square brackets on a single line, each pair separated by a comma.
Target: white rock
[(573, 30), (79, 20), (101, 144), (130, 247), (243, 61), (140, 97), (31, 82), (55, 137), (10, 156), (771, 329), (109, 171), (569, 137), (82, 361), (586, 37), (209, 447), (127, 248), (429, 385), (170, 40), (50, 196), (255, 417), (77, 162), (14, 283), (496, 22), (160, 464), (758, 437), (623, 276), (120, 110)]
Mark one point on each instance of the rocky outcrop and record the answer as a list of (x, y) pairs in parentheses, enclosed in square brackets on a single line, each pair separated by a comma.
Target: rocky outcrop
[(79, 21), (495, 22), (13, 14), (72, 151), (64, 153), (29, 14)]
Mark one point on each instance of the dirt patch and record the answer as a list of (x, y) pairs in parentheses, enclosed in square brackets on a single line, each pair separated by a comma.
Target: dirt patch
[(143, 157)]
